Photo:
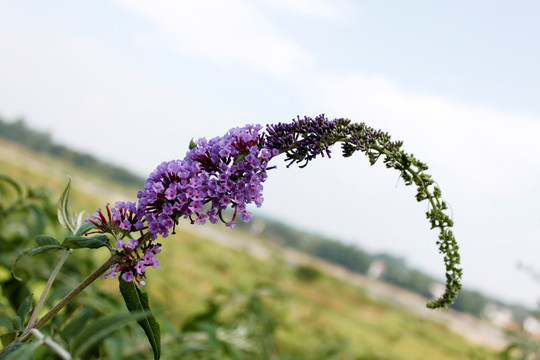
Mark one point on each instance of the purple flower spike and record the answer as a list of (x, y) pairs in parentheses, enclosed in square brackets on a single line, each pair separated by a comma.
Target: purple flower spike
[(216, 174), (120, 220)]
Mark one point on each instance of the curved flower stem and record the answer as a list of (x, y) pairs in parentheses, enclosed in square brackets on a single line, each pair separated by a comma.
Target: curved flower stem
[(447, 242), (46, 290), (305, 139)]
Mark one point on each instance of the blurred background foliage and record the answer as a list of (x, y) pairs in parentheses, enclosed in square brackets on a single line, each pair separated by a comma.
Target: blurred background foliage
[(212, 301), (397, 271)]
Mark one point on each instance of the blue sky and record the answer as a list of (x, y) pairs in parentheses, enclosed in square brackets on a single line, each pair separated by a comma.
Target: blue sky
[(134, 81)]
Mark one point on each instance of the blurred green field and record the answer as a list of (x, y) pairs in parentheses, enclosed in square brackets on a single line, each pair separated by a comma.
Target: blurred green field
[(319, 314)]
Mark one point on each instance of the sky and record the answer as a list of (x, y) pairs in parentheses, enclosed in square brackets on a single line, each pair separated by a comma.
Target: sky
[(133, 81)]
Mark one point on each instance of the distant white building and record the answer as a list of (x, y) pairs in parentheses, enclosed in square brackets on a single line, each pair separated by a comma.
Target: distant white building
[(532, 326), (376, 269), (499, 315)]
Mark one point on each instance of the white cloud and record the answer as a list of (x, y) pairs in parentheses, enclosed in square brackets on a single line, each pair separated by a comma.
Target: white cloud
[(225, 32), (496, 149), (319, 8)]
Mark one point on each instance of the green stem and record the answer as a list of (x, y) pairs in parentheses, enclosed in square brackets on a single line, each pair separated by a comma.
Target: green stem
[(447, 243), (59, 350), (83, 285), (415, 175), (60, 305), (46, 290)]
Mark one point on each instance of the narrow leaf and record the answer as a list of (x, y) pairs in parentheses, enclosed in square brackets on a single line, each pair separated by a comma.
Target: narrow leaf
[(20, 351), (45, 243), (79, 221), (17, 323), (100, 329), (78, 323), (19, 257), (63, 213), (46, 240), (13, 183), (89, 242), (136, 300), (41, 249), (25, 308)]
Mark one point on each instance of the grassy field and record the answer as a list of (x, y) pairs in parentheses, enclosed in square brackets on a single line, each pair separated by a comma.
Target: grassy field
[(319, 314)]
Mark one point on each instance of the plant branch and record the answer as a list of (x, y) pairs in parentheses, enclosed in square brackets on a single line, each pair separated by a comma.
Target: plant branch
[(46, 290), (51, 344), (83, 285), (62, 303)]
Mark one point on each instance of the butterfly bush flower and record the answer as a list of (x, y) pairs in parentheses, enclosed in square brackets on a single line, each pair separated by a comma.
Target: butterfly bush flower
[(133, 262), (305, 138), (217, 174), (120, 220), (228, 172), (223, 172)]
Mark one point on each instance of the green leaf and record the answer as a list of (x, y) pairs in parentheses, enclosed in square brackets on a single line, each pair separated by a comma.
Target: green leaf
[(39, 216), (20, 351), (19, 257), (13, 183), (5, 321), (239, 158), (84, 228), (41, 249), (100, 329), (78, 221), (45, 240), (63, 213), (25, 308), (68, 221), (89, 242), (17, 323), (78, 323), (192, 144), (45, 243), (15, 291), (136, 301), (7, 338), (115, 348)]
